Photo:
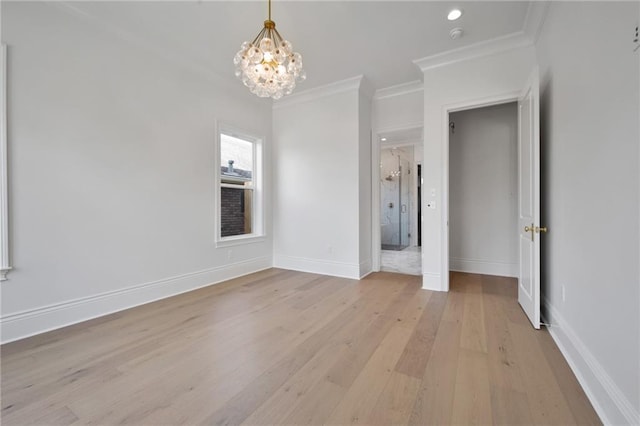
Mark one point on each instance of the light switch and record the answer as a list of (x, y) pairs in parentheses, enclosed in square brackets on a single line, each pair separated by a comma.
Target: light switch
[(433, 192)]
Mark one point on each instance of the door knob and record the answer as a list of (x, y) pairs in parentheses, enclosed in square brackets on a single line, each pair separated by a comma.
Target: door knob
[(530, 229), (540, 229)]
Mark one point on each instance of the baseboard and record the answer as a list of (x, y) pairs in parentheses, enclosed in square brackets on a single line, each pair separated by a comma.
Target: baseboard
[(365, 268), (613, 407), (23, 324), (317, 266), (432, 281), (483, 267)]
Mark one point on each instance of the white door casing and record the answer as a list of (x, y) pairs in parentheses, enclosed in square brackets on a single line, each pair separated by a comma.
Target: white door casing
[(529, 198)]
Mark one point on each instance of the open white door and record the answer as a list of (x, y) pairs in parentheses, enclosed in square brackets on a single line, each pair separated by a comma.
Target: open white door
[(529, 198)]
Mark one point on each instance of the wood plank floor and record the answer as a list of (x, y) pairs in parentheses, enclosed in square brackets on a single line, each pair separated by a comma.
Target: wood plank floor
[(283, 347)]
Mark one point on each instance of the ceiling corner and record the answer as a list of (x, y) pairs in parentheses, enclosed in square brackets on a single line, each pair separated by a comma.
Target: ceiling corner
[(534, 20), (485, 48), (366, 88)]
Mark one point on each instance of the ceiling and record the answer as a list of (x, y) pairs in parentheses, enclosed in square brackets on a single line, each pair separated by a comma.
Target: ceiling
[(400, 137), (337, 39)]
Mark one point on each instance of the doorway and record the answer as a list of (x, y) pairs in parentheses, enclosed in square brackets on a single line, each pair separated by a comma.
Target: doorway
[(400, 156), (483, 190)]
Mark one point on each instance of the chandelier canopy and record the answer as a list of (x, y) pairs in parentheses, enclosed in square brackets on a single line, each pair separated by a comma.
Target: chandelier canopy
[(268, 66)]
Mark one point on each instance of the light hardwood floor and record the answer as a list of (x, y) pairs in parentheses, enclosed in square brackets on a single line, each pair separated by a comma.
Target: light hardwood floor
[(283, 347)]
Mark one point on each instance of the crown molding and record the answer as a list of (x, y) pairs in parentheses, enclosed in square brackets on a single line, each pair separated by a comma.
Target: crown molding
[(473, 51), (399, 90), (353, 83), (533, 22), (366, 88)]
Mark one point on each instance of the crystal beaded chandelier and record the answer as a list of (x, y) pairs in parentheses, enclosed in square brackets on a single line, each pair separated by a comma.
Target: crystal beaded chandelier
[(268, 66)]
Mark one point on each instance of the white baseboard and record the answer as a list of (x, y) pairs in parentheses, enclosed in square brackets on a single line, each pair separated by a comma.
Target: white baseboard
[(23, 324), (317, 266), (431, 281), (613, 407), (483, 267), (365, 268)]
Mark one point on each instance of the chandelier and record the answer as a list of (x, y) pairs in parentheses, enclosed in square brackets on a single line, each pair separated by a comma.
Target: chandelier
[(268, 66)]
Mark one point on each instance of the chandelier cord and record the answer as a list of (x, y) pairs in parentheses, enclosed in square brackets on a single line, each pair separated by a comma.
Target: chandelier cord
[(269, 9)]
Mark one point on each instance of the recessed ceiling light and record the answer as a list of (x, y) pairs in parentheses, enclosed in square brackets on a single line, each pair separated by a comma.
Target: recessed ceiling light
[(383, 139), (454, 14)]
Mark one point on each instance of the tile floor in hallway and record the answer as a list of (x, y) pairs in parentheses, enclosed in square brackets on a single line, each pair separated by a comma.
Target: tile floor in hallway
[(407, 261)]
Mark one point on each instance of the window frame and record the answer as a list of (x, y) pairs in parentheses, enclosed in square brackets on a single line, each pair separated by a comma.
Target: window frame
[(257, 200)]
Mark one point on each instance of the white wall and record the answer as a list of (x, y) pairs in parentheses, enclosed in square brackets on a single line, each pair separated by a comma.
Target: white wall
[(111, 172), (365, 184), (320, 218), (483, 187), (449, 86), (590, 114), (398, 107)]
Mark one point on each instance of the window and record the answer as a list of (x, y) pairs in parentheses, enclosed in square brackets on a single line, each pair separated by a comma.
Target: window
[(239, 198)]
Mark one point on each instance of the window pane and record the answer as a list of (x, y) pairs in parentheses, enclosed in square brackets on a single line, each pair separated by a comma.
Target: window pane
[(236, 160), (236, 211)]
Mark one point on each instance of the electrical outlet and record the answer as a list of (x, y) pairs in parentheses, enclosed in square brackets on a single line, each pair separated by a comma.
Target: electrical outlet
[(564, 294)]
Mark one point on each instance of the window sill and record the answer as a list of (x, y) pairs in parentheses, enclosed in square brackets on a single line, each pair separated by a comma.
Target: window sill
[(240, 240)]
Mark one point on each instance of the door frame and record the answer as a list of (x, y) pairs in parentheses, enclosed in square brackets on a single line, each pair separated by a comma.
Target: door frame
[(376, 235), (446, 111)]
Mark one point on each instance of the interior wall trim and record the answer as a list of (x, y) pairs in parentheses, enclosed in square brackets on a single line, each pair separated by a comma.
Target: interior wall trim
[(607, 399), (477, 50), (349, 84), (399, 90), (23, 324), (4, 171), (484, 267), (365, 268), (534, 20), (432, 281), (317, 266)]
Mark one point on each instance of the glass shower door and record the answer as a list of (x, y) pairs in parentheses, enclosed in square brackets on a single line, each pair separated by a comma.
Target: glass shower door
[(395, 197), (404, 201)]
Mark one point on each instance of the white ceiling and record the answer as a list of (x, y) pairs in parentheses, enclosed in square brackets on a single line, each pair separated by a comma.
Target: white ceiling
[(337, 39), (401, 137)]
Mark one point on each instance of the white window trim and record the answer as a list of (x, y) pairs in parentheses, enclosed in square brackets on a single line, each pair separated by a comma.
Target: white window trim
[(4, 192), (258, 213)]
